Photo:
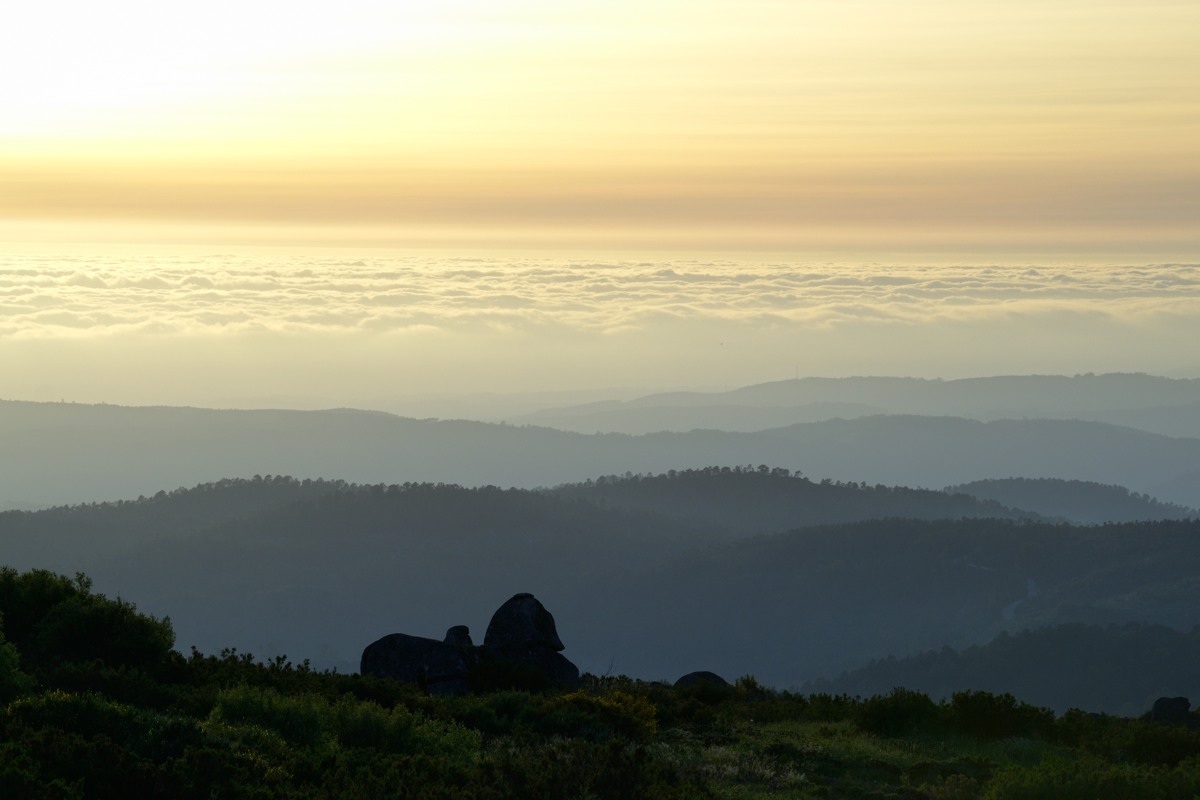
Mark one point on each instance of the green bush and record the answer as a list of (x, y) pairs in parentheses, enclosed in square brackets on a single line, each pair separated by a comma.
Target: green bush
[(895, 714), (300, 719), (601, 716), (1088, 779), (52, 619), (554, 768), (310, 721), (992, 716), (13, 682), (27, 597), (90, 744), (87, 714), (94, 628)]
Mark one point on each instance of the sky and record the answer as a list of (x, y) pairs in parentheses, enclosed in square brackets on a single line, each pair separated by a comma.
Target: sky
[(777, 125), (655, 194)]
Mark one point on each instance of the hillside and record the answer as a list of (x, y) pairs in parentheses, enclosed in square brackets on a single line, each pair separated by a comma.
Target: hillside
[(323, 569), (1118, 669), (1084, 502), (278, 544), (815, 602)]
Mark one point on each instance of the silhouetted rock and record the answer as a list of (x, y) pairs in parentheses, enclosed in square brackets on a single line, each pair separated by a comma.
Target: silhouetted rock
[(459, 636), (522, 635), (521, 646), (437, 667), (701, 678), (540, 666), (1171, 710), (522, 621)]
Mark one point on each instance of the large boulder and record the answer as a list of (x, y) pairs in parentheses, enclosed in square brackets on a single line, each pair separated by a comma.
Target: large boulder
[(522, 621), (522, 637), (437, 667)]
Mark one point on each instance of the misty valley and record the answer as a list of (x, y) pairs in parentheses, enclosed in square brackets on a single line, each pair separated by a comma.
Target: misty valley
[(1030, 587)]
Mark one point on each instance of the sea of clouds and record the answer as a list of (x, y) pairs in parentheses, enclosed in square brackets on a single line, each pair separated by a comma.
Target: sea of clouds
[(476, 324), (43, 296)]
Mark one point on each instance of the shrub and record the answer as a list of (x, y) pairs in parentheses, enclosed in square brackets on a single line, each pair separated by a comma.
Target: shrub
[(1089, 779), (13, 681), (896, 714), (601, 716), (990, 716), (92, 627), (300, 719), (27, 597)]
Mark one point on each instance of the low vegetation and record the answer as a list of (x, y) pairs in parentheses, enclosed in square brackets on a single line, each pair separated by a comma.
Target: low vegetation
[(96, 704)]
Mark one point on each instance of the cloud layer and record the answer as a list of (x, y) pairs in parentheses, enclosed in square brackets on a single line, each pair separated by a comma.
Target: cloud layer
[(51, 297), (545, 324)]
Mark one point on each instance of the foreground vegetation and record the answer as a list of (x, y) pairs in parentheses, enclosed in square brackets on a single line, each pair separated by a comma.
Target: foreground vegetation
[(96, 704)]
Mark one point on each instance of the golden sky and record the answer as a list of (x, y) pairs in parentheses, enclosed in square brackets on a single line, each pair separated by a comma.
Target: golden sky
[(1022, 126)]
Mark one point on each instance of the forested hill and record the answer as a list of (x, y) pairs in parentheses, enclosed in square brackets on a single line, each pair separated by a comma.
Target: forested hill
[(684, 507), (320, 570), (746, 500), (1118, 669), (1077, 501), (176, 514)]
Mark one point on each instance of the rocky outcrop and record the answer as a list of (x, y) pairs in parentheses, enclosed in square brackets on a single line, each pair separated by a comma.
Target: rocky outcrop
[(521, 644)]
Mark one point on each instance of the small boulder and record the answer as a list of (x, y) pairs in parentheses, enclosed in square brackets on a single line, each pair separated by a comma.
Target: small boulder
[(701, 678), (1171, 710), (459, 636)]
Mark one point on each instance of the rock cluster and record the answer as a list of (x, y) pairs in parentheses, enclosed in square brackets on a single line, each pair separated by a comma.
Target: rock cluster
[(521, 639)]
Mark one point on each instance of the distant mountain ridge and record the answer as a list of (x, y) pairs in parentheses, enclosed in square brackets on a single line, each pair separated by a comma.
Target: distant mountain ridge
[(1166, 406), (57, 453)]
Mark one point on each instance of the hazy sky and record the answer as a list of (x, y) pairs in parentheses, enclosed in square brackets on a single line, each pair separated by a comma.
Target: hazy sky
[(303, 203), (1025, 126)]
